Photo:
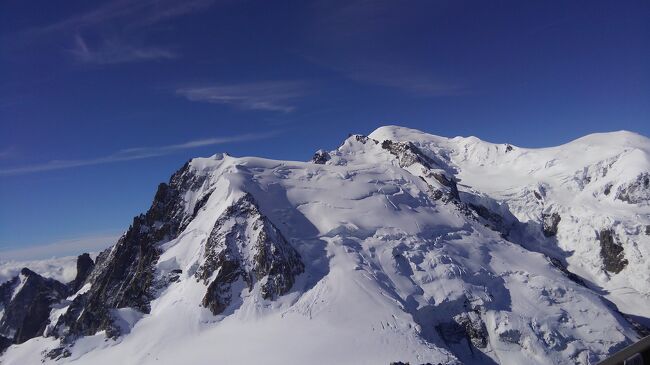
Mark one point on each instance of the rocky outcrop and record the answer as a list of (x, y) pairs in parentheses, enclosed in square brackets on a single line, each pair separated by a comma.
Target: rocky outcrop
[(245, 245), (362, 139), (123, 275), (447, 182), (466, 325), (637, 191), (474, 328), (84, 266), (550, 223), (27, 311), (5, 342), (608, 189), (408, 154), (6, 291), (560, 266), (611, 251), (320, 157), (492, 219), (510, 336)]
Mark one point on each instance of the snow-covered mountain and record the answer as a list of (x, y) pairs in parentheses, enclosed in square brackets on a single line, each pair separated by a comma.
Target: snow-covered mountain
[(397, 246)]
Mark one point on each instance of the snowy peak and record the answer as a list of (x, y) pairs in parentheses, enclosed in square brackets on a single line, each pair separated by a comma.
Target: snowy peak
[(244, 245), (591, 197), (619, 139), (397, 246), (25, 304), (124, 275)]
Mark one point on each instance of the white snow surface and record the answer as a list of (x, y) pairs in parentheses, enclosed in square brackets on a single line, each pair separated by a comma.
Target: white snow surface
[(572, 180), (386, 265)]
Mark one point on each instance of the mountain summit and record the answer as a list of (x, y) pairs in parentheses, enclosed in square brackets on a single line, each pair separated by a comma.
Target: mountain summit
[(399, 246)]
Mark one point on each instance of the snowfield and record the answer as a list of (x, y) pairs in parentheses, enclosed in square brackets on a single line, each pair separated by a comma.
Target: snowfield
[(423, 249)]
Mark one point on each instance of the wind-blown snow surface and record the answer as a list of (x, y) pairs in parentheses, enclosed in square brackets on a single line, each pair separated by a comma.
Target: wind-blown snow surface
[(582, 181), (395, 271)]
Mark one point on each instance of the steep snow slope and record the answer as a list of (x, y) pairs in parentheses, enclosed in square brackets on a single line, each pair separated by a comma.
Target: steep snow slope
[(595, 184), (368, 255)]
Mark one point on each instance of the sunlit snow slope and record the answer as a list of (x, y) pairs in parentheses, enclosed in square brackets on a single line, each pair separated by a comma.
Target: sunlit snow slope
[(399, 246), (596, 183)]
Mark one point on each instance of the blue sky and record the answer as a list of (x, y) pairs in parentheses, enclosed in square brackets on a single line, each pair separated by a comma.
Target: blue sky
[(102, 100)]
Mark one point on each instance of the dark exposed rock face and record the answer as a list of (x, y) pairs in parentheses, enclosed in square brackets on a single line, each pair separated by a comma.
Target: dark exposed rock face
[(494, 220), (573, 277), (58, 353), (6, 290), (245, 245), (508, 148), (84, 266), (647, 230), (636, 192), (361, 138), (408, 154), (510, 336), (123, 275), (611, 251), (320, 157), (467, 325), (474, 328), (27, 310), (608, 189), (448, 182), (4, 343), (550, 223)]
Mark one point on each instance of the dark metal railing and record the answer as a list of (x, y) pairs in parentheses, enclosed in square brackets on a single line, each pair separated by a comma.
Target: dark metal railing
[(636, 354)]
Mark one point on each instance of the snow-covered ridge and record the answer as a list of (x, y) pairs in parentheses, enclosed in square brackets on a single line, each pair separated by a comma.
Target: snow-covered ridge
[(596, 183), (397, 246)]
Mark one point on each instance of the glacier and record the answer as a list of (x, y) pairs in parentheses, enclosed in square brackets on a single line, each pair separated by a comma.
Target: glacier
[(398, 246)]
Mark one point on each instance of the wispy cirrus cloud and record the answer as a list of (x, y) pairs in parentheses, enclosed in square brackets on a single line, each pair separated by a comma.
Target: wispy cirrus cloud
[(413, 80), (130, 154), (278, 96), (127, 13), (116, 51), (115, 25)]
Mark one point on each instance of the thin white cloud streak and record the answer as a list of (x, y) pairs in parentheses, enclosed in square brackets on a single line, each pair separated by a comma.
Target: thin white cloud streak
[(133, 18), (414, 82), (131, 13), (115, 51), (60, 248), (275, 96), (130, 154)]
